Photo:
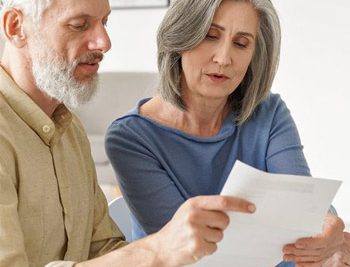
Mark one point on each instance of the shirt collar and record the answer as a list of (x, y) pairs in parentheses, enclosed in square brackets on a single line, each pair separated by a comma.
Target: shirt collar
[(48, 129)]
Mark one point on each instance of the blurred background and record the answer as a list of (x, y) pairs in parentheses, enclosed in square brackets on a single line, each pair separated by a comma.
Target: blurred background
[(313, 79)]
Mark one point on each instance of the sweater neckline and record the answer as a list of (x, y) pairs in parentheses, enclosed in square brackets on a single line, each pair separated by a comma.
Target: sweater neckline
[(227, 129)]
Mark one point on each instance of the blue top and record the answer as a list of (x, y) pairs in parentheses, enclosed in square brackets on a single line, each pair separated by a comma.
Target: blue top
[(159, 167)]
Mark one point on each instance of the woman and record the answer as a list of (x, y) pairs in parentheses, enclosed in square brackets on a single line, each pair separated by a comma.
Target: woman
[(217, 61)]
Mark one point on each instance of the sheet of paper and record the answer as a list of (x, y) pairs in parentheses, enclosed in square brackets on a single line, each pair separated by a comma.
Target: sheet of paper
[(288, 207)]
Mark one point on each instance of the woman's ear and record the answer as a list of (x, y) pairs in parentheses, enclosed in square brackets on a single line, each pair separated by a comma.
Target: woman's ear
[(13, 28)]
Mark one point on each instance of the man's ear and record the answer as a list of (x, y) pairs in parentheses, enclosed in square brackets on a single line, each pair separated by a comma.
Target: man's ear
[(13, 28)]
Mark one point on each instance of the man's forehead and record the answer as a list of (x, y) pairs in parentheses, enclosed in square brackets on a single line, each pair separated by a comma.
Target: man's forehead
[(78, 8)]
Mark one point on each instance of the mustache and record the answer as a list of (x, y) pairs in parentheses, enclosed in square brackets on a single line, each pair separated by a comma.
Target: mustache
[(90, 58)]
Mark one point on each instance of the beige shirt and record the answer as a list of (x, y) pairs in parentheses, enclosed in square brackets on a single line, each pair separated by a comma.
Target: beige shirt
[(52, 210)]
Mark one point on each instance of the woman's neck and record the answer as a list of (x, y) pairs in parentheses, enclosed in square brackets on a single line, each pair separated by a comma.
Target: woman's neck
[(202, 118)]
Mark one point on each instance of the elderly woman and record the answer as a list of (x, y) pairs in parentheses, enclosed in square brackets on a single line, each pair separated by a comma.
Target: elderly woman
[(217, 61)]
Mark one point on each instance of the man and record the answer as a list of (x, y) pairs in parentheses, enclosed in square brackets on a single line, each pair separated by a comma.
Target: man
[(52, 212)]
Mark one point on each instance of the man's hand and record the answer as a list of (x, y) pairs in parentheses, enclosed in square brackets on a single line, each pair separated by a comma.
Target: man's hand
[(196, 228), (191, 234), (315, 251)]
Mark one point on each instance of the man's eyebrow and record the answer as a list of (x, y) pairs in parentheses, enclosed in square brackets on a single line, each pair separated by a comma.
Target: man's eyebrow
[(247, 34)]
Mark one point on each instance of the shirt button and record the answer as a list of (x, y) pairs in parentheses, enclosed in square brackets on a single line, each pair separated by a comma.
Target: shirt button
[(46, 128)]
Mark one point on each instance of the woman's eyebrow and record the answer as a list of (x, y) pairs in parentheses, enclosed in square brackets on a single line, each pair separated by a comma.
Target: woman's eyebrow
[(218, 26)]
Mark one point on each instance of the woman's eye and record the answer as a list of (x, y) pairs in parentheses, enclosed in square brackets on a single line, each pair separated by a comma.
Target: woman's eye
[(211, 37), (241, 45)]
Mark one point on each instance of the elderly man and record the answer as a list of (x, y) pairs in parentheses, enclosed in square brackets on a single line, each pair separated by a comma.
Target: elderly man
[(52, 212)]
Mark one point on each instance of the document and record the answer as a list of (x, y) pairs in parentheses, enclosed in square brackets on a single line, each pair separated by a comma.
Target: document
[(289, 207)]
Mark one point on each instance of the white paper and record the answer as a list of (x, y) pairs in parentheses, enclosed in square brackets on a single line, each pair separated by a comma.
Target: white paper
[(288, 207)]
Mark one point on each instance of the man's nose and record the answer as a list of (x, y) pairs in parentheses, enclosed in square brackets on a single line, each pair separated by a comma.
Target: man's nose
[(99, 40)]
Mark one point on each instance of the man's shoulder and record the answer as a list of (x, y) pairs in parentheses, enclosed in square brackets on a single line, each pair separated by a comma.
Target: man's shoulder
[(77, 124), (77, 130)]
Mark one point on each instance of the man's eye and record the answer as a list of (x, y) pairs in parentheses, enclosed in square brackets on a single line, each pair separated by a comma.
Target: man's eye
[(79, 27)]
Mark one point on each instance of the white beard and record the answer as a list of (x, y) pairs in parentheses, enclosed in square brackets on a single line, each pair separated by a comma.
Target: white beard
[(55, 76)]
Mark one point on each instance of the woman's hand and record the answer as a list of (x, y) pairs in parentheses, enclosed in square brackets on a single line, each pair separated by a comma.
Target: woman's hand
[(346, 249), (196, 228), (315, 251), (340, 258)]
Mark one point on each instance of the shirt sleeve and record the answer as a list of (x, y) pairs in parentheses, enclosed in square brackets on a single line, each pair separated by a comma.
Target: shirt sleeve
[(284, 149), (106, 234), (146, 186), (12, 248)]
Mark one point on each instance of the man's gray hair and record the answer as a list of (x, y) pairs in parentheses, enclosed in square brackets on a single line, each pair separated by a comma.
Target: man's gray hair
[(186, 24), (32, 8)]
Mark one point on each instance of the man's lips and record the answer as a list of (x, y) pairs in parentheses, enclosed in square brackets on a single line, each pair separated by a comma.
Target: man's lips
[(90, 67)]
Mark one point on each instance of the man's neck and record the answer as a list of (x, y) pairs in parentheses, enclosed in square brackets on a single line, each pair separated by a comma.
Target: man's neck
[(21, 74)]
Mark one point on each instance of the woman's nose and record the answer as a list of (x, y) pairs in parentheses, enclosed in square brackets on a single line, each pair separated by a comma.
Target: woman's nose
[(223, 54)]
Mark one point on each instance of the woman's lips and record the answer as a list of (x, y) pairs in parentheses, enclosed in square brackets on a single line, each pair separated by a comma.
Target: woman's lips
[(217, 78)]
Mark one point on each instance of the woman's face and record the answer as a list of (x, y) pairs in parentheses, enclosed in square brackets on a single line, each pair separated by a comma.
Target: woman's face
[(215, 68)]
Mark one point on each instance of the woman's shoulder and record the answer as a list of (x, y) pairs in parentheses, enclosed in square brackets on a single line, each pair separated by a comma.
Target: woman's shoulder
[(271, 103), (269, 112), (270, 107), (130, 119)]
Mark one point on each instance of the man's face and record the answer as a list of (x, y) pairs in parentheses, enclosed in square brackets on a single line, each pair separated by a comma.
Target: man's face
[(66, 49)]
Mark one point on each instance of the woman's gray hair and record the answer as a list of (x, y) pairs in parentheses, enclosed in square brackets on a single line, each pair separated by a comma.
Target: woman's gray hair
[(187, 23), (32, 8)]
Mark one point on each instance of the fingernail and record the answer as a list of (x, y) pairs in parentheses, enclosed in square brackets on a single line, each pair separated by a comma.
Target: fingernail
[(251, 208)]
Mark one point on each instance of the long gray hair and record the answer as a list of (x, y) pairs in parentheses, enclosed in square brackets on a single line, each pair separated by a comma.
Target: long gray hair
[(186, 24)]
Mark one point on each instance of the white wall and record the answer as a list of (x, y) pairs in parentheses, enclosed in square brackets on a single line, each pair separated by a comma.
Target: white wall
[(133, 35), (313, 77)]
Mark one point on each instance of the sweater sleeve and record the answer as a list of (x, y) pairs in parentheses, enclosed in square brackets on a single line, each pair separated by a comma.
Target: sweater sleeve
[(284, 149), (151, 195)]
